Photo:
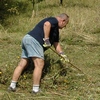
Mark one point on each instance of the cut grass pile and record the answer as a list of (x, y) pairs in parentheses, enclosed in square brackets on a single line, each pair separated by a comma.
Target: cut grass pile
[(60, 81)]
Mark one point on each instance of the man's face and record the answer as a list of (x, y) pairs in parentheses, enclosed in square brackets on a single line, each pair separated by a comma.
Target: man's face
[(63, 23)]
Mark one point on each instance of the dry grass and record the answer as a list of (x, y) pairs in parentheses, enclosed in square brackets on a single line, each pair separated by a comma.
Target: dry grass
[(80, 41)]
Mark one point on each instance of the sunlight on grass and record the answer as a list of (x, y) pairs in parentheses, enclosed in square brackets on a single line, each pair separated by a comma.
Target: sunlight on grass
[(80, 41)]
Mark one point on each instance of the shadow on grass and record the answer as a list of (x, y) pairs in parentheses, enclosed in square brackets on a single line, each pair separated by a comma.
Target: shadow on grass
[(47, 67)]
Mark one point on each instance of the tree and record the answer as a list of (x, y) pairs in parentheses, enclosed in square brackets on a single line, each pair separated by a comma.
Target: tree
[(61, 2)]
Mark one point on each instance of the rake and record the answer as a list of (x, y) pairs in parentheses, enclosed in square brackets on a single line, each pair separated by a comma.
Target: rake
[(70, 63)]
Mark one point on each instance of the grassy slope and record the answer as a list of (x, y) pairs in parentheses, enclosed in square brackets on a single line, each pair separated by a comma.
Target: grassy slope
[(80, 41)]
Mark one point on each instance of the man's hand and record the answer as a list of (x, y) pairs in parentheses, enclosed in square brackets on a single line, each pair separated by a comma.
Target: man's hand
[(46, 43), (64, 57)]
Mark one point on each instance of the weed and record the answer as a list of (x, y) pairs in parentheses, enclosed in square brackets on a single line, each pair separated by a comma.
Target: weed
[(80, 41)]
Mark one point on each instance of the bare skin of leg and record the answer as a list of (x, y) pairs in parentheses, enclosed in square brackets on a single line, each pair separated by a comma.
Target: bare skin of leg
[(21, 66), (37, 73)]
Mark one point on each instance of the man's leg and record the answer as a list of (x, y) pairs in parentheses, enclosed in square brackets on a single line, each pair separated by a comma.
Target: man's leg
[(17, 72), (37, 73)]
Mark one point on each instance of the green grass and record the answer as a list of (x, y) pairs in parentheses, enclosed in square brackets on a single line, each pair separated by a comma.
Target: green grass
[(80, 41)]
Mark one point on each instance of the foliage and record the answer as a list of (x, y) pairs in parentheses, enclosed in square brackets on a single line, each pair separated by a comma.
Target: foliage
[(11, 7), (80, 41)]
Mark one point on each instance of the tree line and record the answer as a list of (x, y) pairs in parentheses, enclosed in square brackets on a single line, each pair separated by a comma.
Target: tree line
[(15, 7)]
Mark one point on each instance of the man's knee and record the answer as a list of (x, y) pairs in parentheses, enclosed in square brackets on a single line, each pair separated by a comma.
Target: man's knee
[(22, 63), (38, 62)]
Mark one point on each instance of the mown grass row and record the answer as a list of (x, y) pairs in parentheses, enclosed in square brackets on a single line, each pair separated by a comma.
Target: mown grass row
[(80, 41)]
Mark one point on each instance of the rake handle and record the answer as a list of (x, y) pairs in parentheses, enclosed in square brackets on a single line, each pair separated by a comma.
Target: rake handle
[(67, 62)]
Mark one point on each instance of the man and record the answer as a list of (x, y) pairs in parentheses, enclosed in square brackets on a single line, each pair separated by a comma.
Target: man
[(44, 35)]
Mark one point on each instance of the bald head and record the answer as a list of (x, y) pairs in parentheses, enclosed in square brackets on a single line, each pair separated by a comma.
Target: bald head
[(63, 16), (63, 20)]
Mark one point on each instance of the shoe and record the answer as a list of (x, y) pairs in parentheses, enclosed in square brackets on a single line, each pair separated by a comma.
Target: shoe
[(33, 92), (11, 89), (38, 93)]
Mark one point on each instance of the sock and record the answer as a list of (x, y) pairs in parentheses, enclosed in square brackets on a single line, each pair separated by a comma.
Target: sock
[(13, 84), (35, 88)]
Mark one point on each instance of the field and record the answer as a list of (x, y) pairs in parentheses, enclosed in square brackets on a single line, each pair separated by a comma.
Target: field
[(80, 41)]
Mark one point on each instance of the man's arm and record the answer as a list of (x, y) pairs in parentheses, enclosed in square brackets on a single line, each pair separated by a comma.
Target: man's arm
[(58, 47), (46, 27), (60, 51)]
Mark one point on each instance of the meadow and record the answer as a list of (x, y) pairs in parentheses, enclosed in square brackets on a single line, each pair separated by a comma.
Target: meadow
[(80, 41)]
